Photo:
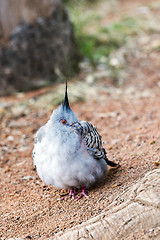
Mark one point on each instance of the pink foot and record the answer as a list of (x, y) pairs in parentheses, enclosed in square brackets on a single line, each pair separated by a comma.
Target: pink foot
[(71, 194), (82, 194)]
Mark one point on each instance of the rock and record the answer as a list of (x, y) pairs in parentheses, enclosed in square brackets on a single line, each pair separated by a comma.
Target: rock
[(37, 52), (133, 214)]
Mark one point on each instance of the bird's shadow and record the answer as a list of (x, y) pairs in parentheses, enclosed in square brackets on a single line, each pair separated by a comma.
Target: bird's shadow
[(108, 179)]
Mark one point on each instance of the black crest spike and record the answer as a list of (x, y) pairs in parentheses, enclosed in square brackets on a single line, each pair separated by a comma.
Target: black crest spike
[(66, 101)]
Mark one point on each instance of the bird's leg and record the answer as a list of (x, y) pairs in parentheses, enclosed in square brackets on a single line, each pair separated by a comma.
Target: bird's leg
[(82, 194), (72, 193)]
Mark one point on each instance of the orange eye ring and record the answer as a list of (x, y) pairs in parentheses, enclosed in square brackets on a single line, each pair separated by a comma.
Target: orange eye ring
[(63, 121)]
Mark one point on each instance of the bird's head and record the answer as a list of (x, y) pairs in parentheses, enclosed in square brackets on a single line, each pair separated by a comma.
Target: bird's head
[(63, 117)]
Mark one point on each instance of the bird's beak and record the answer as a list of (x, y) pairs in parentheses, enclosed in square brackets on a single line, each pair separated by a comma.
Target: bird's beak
[(76, 126)]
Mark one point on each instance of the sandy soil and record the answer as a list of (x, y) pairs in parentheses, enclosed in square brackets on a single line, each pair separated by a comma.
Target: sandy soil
[(129, 122), (131, 131)]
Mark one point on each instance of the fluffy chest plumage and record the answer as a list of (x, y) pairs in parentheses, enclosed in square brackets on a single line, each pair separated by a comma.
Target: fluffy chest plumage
[(62, 160), (55, 155), (66, 148)]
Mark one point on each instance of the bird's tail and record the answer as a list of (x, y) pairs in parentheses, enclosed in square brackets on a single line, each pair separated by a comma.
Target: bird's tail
[(110, 163)]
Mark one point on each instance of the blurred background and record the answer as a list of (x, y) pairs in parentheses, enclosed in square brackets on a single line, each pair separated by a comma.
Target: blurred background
[(45, 41)]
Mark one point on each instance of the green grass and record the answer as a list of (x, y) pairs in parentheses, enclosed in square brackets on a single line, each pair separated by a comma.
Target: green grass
[(95, 46), (100, 43), (94, 41), (119, 31)]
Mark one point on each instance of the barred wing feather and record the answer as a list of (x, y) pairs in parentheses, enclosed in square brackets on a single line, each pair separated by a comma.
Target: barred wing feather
[(93, 141)]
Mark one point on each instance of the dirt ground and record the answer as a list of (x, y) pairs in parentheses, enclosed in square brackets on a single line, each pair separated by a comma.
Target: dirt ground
[(128, 120)]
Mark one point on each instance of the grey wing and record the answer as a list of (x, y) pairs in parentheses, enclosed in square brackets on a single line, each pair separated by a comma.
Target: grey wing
[(38, 138), (93, 141)]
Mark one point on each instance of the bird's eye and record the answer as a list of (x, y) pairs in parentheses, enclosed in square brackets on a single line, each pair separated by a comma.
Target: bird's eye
[(63, 121)]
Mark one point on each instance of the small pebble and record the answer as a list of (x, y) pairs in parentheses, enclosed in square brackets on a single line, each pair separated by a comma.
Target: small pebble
[(16, 238), (28, 178), (10, 138), (115, 141)]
